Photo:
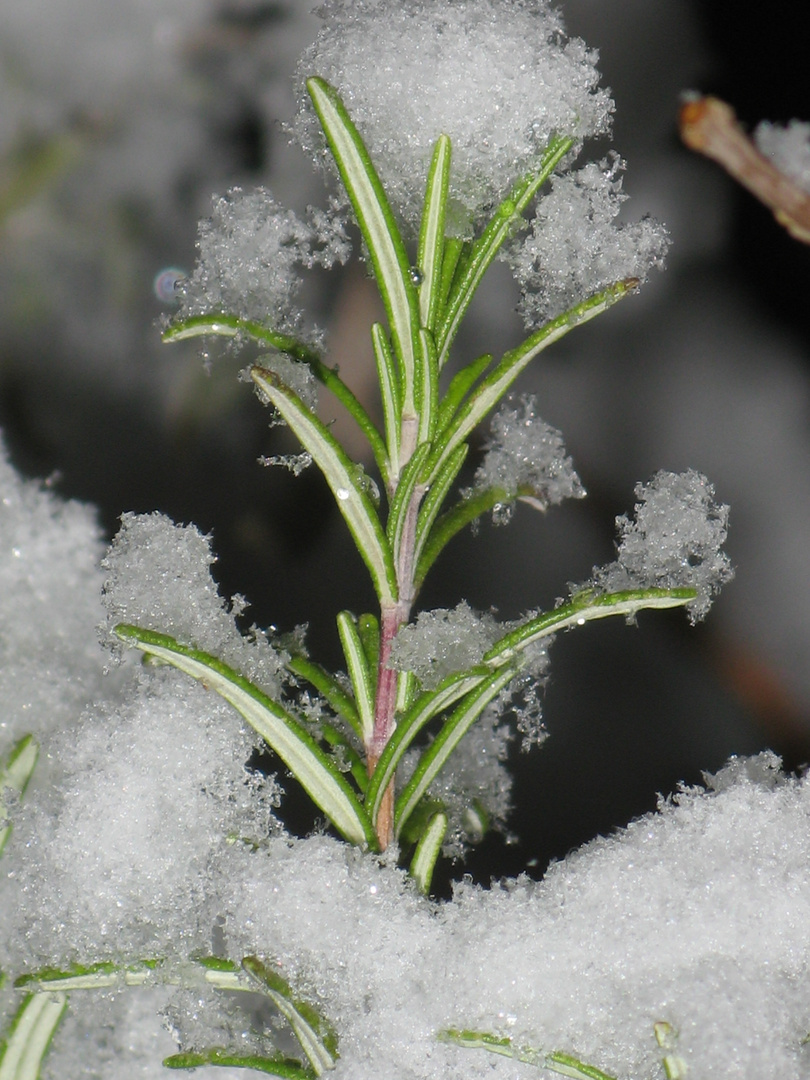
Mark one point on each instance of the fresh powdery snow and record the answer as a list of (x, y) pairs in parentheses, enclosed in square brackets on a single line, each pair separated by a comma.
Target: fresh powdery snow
[(499, 87)]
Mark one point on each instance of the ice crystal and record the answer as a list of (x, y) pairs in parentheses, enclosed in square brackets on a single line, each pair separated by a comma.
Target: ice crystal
[(498, 77), (674, 542), (576, 247)]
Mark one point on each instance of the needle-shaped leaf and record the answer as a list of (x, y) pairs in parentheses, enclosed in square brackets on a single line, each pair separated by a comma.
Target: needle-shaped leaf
[(328, 686), (461, 382), (274, 1065), (431, 234), (421, 712), (427, 384), (453, 262), (453, 731), (314, 1033), (23, 1048), (221, 324), (504, 1046), (363, 679), (354, 504), (452, 522), (427, 851), (487, 246), (90, 976), (324, 784), (389, 258), (438, 491), (402, 501), (389, 393), (495, 385), (15, 772), (585, 607)]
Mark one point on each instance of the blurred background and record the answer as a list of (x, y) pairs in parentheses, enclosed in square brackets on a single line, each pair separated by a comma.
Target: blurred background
[(119, 122)]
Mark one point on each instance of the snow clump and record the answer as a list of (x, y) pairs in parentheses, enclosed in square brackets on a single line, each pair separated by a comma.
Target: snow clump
[(50, 660), (159, 578), (498, 78), (577, 248), (674, 542), (249, 254), (788, 148), (441, 642), (525, 458)]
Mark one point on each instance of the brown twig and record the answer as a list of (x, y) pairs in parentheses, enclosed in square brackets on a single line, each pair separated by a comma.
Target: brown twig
[(710, 126)]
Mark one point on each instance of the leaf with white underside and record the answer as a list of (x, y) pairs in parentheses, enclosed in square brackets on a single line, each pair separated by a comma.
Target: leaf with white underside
[(315, 1035), (389, 395), (378, 226), (431, 234), (363, 680), (340, 474), (24, 1047), (15, 773), (324, 784), (454, 729), (504, 1046), (222, 324), (486, 247), (427, 851), (497, 382), (421, 712), (584, 607)]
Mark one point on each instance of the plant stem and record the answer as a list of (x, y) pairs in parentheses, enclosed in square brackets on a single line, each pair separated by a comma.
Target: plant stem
[(392, 616)]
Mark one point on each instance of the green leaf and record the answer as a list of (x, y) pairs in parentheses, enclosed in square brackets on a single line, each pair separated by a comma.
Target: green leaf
[(354, 504), (26, 1043), (461, 382), (15, 773), (324, 784), (221, 324), (288, 1068), (584, 607), (431, 234), (453, 261), (368, 627), (363, 680), (421, 712), (427, 384), (389, 258), (496, 384), (454, 729), (484, 250), (329, 687), (452, 522), (392, 406), (97, 976), (314, 1033), (337, 740), (402, 503), (438, 491), (427, 852), (555, 1061)]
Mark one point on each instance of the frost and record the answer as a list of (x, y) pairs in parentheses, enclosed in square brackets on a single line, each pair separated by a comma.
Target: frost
[(159, 578), (442, 642), (788, 148), (674, 542), (50, 662), (249, 253), (498, 78), (576, 247), (526, 459)]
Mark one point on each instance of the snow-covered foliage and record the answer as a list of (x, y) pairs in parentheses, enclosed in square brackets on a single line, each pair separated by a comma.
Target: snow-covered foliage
[(788, 147), (499, 85), (525, 457), (674, 541), (576, 246), (441, 642)]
